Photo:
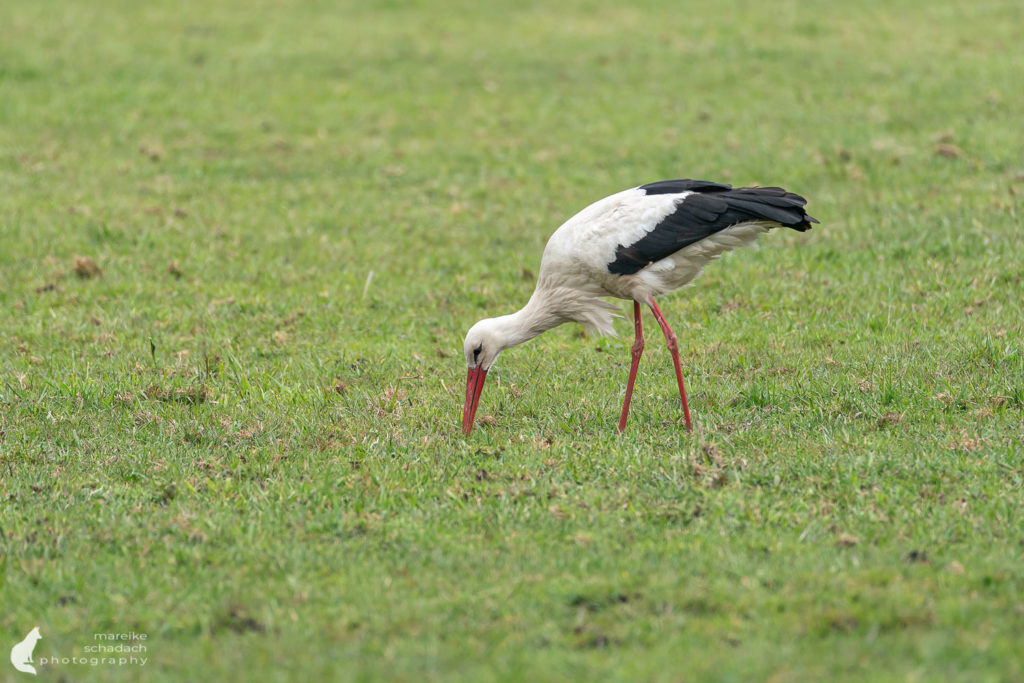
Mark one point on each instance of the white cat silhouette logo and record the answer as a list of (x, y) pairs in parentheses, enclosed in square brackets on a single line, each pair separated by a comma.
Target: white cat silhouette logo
[(21, 654)]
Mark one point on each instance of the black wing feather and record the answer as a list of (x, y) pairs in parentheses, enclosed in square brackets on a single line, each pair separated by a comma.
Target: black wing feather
[(712, 208), (684, 185)]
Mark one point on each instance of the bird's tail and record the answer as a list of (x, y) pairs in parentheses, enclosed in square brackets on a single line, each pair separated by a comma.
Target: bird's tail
[(769, 204)]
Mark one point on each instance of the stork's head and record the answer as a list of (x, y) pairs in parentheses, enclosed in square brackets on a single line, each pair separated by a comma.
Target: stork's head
[(484, 342), (488, 338)]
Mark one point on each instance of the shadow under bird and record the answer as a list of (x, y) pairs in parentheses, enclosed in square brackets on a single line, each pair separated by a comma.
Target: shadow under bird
[(637, 244)]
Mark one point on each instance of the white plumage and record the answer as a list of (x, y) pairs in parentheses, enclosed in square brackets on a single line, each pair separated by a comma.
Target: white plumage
[(637, 244)]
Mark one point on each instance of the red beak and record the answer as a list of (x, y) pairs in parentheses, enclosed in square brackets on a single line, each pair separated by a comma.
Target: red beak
[(474, 385)]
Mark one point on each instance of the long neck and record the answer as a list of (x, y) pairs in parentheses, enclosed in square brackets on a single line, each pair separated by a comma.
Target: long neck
[(529, 321)]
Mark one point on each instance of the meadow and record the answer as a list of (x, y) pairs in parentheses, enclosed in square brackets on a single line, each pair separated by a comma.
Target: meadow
[(240, 244)]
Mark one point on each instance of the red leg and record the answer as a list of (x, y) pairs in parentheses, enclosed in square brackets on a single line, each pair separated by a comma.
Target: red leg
[(638, 349), (673, 347)]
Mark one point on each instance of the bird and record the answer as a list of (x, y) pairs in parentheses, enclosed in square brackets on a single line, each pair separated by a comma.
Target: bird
[(636, 245)]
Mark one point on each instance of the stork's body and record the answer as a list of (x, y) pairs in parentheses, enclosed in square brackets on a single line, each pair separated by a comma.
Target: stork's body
[(635, 245)]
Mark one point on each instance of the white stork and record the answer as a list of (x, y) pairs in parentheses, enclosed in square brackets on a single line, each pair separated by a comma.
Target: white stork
[(636, 245)]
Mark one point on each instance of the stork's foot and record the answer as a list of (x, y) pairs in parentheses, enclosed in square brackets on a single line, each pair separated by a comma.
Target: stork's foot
[(673, 346), (638, 350)]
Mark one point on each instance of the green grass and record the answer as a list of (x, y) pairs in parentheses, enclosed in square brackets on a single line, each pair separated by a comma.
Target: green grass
[(237, 441)]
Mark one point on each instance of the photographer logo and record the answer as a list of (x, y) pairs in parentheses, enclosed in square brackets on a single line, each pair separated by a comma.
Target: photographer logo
[(21, 654)]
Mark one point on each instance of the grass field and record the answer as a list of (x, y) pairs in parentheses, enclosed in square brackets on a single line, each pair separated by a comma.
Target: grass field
[(241, 242)]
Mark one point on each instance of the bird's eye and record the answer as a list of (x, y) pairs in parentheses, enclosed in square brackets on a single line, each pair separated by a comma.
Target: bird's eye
[(477, 350)]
